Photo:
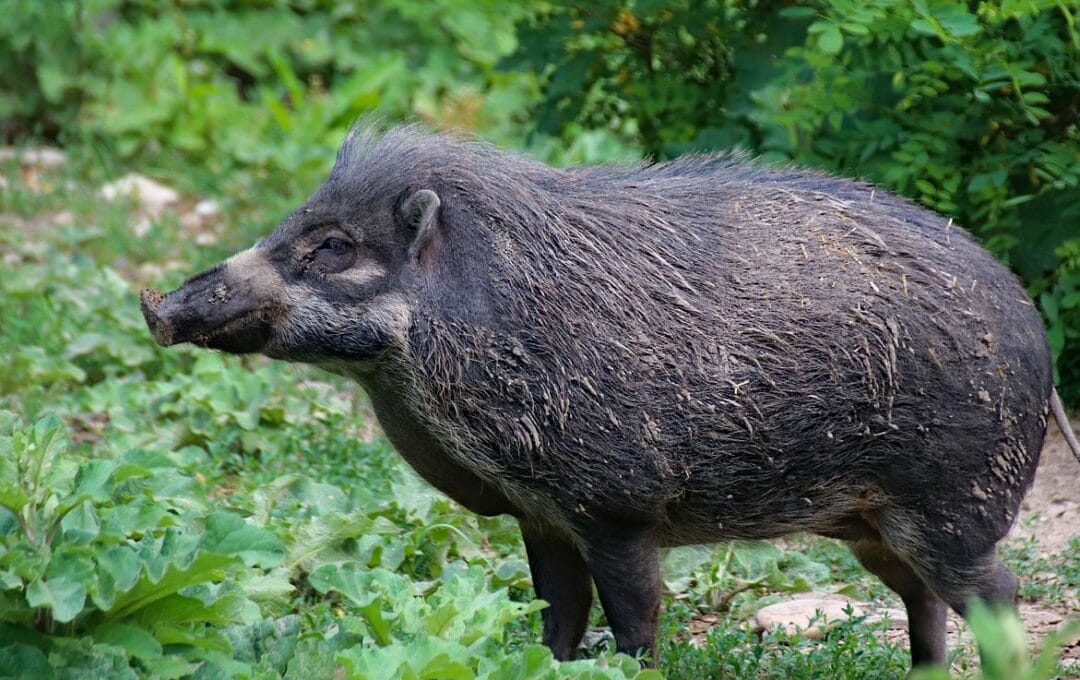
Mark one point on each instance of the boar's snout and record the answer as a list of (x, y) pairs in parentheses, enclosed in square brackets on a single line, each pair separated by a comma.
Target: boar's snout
[(150, 304), (210, 310)]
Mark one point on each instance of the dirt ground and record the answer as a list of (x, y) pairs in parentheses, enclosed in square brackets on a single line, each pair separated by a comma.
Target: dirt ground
[(1051, 513), (1055, 498)]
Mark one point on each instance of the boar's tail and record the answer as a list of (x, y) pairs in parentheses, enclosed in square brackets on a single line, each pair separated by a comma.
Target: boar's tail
[(1063, 423)]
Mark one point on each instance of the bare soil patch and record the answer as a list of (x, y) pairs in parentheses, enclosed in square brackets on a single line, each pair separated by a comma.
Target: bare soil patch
[(1051, 514)]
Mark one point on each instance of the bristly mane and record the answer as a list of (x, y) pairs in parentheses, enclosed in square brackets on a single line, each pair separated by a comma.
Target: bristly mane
[(519, 192)]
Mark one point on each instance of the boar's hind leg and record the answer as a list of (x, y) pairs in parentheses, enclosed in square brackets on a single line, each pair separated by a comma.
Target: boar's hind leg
[(985, 578), (626, 570), (957, 565), (926, 612), (561, 577)]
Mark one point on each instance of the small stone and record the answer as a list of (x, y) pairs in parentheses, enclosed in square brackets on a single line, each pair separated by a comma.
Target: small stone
[(63, 218), (43, 157), (206, 209), (190, 221), (594, 637), (794, 616), (153, 197), (702, 623)]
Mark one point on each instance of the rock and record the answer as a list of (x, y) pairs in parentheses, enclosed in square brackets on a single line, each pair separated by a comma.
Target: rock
[(191, 222), (200, 220), (64, 218), (795, 615), (141, 227), (152, 197), (699, 628), (594, 637), (206, 209), (43, 157)]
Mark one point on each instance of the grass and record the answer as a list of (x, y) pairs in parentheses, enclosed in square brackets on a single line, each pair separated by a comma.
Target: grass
[(361, 566)]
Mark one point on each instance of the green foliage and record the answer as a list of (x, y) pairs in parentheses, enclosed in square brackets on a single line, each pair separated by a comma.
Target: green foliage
[(266, 86), (122, 566), (741, 577), (123, 550), (451, 629), (971, 109), (852, 650)]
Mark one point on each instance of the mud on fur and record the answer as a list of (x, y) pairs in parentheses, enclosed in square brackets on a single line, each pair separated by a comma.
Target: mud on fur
[(626, 358)]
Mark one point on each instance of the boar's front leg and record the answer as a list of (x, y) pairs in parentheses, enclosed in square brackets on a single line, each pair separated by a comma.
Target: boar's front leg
[(561, 577), (625, 567)]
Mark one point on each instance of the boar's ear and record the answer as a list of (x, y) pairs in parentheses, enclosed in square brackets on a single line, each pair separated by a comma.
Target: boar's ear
[(421, 212)]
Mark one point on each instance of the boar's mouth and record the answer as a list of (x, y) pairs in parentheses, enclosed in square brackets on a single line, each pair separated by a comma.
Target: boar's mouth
[(228, 325)]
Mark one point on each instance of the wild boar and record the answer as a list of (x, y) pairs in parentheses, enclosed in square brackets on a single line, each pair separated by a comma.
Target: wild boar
[(627, 358)]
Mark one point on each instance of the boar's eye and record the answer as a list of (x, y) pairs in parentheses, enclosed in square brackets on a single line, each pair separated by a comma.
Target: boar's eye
[(334, 255)]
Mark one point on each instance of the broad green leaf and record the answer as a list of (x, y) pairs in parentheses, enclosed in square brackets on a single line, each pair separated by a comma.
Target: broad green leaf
[(21, 661), (270, 641), (272, 586), (1002, 647), (85, 344), (311, 538), (171, 667), (204, 637), (757, 558), (12, 496), (122, 563), (92, 479), (136, 641), (81, 524), (424, 657), (679, 564), (533, 663), (358, 583), (380, 595), (9, 580), (63, 596), (146, 592), (955, 19), (831, 40), (54, 80), (39, 449), (229, 534)]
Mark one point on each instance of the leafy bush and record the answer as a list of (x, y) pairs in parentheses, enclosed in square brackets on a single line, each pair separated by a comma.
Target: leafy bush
[(121, 567), (268, 86), (125, 551), (970, 109)]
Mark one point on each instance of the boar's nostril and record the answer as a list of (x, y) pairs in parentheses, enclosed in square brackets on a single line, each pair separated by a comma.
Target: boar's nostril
[(150, 303)]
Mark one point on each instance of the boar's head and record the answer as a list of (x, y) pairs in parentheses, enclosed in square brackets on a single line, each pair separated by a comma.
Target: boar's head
[(325, 287)]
